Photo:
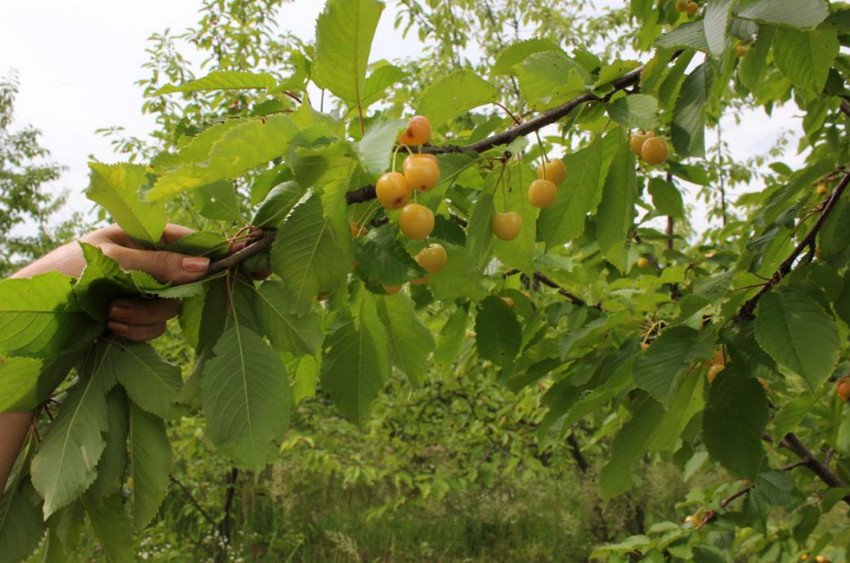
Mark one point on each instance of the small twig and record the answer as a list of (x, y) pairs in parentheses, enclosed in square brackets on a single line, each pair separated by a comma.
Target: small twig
[(193, 501), (226, 526), (574, 299), (240, 256), (747, 310)]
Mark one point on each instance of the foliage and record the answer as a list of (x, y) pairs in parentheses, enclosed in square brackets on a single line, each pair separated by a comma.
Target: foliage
[(24, 172), (667, 345)]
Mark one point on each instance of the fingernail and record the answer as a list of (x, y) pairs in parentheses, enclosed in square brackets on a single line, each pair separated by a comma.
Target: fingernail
[(116, 327), (196, 264)]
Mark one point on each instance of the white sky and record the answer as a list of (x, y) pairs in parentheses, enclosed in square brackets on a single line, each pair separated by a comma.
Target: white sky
[(77, 62)]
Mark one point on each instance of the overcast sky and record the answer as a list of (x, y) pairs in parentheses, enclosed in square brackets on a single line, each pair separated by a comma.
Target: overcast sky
[(77, 61)]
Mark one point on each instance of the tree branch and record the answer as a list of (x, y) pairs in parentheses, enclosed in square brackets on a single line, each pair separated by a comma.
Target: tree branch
[(824, 473), (747, 310), (252, 249)]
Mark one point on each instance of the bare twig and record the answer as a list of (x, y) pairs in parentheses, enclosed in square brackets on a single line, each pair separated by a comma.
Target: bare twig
[(193, 500)]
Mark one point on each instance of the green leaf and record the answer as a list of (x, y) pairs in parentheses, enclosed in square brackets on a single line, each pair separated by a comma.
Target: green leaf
[(776, 487), (18, 383), (800, 13), (116, 188), (832, 238), (150, 381), (376, 146), (245, 390), (690, 35), (410, 341), (458, 279), (384, 259), (754, 64), (805, 57), (716, 21), (629, 444), (666, 199), (150, 464), (110, 468), (479, 233), (352, 371), (217, 201), (278, 204), (21, 528), (112, 526), (453, 95), (344, 33), (615, 217), (635, 111), (223, 80), (230, 152), (658, 369), (733, 421), (37, 317), (288, 332), (685, 404), (64, 466), (798, 334), (498, 333), (688, 128), (201, 244), (514, 54), (581, 192), (550, 78), (306, 255), (377, 85)]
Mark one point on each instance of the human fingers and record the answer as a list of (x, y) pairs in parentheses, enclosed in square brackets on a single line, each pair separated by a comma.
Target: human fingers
[(137, 333), (143, 311), (162, 265), (173, 232)]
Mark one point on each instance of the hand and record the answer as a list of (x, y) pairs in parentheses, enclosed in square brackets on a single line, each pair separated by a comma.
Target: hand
[(139, 319)]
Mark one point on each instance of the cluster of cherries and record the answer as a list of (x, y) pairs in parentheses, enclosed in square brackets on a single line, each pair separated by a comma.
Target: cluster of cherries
[(394, 190), (690, 7), (653, 150)]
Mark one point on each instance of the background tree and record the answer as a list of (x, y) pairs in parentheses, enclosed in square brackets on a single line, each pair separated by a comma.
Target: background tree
[(25, 172)]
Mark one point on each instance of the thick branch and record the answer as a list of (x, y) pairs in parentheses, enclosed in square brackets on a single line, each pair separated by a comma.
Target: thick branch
[(824, 473), (746, 312), (574, 299)]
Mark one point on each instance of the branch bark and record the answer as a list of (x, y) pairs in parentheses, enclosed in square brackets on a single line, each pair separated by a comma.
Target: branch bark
[(747, 310)]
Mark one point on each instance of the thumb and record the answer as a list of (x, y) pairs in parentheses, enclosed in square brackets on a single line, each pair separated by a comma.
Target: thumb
[(164, 266)]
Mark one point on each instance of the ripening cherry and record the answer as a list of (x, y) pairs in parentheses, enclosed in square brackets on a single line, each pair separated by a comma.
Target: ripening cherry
[(392, 289), (642, 262), (555, 171), (541, 193), (393, 190), (714, 371), (638, 139), (416, 221), (655, 150), (682, 5), (422, 171), (741, 50), (692, 8), (506, 226), (432, 258), (509, 301), (821, 189), (842, 387), (417, 132)]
